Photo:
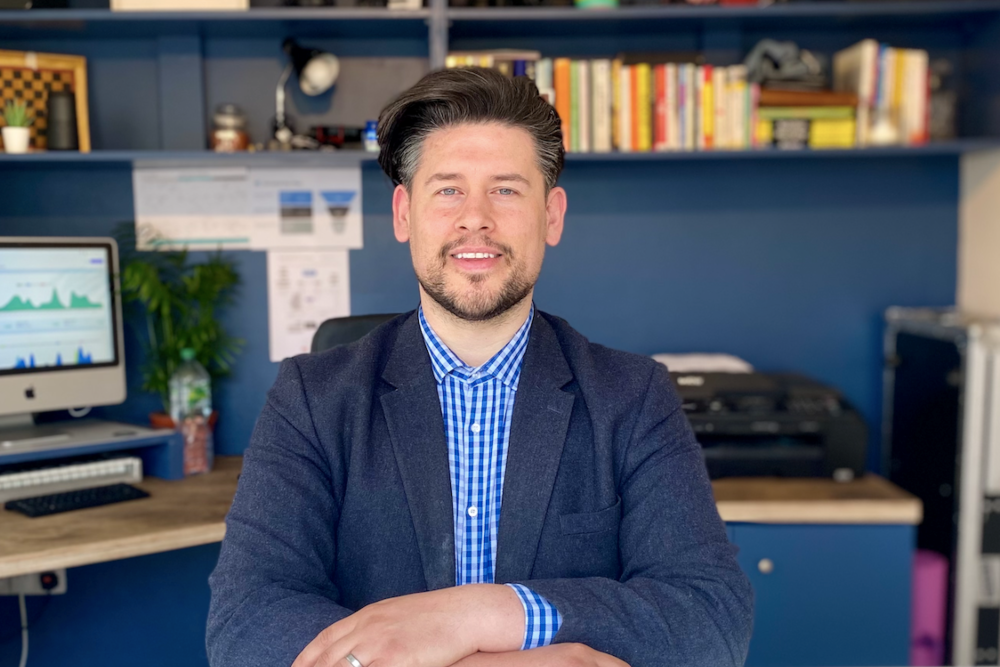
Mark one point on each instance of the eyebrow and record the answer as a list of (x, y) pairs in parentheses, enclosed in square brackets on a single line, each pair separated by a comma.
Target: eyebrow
[(498, 178)]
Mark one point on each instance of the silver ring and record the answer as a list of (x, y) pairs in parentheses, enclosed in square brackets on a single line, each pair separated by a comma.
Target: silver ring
[(354, 661)]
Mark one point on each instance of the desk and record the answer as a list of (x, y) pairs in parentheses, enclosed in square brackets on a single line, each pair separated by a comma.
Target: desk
[(178, 514), (839, 554), (191, 512)]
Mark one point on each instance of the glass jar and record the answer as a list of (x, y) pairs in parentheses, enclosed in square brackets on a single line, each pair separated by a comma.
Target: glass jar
[(229, 132)]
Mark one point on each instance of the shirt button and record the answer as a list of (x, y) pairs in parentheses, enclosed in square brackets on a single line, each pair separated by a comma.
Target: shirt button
[(473, 512), (475, 428)]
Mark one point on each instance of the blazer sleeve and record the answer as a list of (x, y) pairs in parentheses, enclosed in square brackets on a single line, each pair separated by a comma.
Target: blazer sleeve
[(682, 598), (271, 592)]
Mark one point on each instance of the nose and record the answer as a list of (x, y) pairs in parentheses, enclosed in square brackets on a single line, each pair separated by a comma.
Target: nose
[(476, 215)]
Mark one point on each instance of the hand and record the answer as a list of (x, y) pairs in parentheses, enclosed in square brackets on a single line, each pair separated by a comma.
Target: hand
[(554, 655), (433, 629)]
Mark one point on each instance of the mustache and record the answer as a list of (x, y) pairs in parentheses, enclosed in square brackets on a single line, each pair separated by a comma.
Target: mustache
[(502, 248)]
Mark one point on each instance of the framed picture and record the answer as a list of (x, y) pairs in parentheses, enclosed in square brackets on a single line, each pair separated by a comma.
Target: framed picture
[(29, 76)]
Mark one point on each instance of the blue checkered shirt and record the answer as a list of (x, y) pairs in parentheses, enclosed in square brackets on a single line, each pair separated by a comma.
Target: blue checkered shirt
[(477, 404)]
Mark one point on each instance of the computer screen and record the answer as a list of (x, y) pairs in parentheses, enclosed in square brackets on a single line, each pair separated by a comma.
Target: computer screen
[(59, 324), (56, 308)]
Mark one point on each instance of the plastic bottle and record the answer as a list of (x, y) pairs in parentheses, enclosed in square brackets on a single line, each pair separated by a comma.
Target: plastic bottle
[(190, 408)]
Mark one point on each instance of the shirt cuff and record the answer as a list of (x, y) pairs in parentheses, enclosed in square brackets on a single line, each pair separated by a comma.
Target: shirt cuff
[(541, 618)]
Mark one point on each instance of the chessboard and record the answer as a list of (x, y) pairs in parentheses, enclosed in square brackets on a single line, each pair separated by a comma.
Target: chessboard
[(33, 87), (32, 77)]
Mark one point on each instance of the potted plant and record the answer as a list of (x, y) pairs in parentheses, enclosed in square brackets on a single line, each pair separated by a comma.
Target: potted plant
[(174, 304), (17, 131)]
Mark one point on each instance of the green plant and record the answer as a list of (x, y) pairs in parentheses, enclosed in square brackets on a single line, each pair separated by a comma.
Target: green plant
[(15, 114), (176, 303)]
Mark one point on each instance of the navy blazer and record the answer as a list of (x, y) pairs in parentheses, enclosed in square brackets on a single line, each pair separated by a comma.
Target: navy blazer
[(607, 511)]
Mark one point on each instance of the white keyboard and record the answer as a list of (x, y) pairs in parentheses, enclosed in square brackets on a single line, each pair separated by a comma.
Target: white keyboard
[(41, 482)]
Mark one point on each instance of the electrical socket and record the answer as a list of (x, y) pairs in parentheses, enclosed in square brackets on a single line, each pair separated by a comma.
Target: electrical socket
[(51, 582)]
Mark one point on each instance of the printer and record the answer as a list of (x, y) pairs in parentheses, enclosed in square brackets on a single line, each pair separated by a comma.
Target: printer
[(772, 424)]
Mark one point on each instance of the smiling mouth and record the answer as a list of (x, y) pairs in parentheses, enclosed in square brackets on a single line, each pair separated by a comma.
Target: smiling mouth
[(476, 255)]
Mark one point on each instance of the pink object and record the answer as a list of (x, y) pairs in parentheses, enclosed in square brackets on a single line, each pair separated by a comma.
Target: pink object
[(929, 605)]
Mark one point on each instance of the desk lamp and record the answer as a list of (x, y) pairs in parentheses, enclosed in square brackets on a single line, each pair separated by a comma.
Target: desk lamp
[(317, 71)]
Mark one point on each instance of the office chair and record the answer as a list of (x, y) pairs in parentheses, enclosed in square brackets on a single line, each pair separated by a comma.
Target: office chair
[(343, 330)]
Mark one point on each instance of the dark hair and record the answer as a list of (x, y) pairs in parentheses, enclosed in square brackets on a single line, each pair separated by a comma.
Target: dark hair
[(474, 95)]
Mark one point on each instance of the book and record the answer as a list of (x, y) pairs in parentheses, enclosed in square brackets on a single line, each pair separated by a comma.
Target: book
[(601, 112), (659, 107), (800, 133), (690, 107), (774, 113), (584, 105), (720, 122), (490, 58), (543, 80), (707, 108), (770, 97), (625, 109), (855, 70), (672, 131), (633, 73), (616, 66), (738, 119), (561, 69), (644, 106), (574, 106)]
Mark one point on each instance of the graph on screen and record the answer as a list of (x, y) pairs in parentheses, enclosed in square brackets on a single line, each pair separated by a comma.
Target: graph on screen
[(55, 308)]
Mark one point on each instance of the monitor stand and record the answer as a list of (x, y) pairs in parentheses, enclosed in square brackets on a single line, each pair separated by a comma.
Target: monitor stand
[(19, 433)]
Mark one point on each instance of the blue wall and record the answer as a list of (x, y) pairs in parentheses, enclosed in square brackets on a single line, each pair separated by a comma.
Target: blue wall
[(788, 263)]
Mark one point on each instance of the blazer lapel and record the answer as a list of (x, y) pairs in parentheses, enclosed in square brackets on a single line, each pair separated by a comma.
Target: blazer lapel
[(538, 432), (416, 429)]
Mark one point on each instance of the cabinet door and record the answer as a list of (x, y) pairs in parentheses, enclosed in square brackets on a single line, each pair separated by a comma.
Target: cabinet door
[(828, 595)]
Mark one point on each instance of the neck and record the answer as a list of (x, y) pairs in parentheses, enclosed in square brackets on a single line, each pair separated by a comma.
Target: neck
[(474, 343)]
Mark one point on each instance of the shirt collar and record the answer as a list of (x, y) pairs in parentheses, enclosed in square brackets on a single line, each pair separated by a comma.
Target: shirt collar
[(504, 366)]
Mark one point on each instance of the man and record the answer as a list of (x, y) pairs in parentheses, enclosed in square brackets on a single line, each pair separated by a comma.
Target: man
[(474, 483)]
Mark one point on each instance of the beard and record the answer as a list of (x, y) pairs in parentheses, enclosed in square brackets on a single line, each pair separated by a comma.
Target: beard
[(478, 304)]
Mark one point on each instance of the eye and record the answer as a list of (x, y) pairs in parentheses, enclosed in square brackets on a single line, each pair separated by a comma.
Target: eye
[(448, 191), (505, 191)]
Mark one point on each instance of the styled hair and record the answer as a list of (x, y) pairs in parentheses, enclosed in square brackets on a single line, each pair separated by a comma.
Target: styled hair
[(450, 97)]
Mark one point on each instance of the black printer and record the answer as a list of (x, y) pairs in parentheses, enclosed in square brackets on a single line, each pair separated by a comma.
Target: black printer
[(780, 424)]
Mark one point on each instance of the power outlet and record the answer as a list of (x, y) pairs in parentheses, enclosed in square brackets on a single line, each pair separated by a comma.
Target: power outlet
[(52, 582)]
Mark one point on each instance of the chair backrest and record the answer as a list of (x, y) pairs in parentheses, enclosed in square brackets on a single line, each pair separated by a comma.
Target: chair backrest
[(343, 330)]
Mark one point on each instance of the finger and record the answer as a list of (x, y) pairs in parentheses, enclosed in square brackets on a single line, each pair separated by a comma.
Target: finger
[(336, 656), (329, 636)]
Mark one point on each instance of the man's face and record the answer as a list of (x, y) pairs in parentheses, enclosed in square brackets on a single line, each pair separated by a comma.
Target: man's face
[(478, 218)]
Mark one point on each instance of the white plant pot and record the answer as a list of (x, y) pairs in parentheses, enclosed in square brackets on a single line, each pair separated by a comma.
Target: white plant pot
[(16, 139)]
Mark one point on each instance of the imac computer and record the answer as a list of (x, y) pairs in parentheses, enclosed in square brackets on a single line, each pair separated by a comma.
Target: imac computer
[(60, 339)]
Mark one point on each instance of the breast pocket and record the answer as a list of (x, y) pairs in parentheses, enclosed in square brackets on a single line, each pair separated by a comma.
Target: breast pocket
[(592, 522)]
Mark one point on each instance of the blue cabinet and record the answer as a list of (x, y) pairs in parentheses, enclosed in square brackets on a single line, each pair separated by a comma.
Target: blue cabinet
[(828, 594)]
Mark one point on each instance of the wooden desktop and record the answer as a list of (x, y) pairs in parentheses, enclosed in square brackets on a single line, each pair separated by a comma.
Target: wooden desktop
[(191, 512)]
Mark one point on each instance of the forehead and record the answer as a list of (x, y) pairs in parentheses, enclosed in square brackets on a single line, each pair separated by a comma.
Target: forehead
[(477, 148)]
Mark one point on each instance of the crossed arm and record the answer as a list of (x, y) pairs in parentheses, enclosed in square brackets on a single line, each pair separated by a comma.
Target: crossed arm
[(477, 625)]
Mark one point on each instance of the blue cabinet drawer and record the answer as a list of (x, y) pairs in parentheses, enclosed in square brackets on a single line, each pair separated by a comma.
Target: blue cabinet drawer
[(828, 595)]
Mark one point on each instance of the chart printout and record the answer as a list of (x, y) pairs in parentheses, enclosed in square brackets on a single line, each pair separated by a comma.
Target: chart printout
[(55, 308)]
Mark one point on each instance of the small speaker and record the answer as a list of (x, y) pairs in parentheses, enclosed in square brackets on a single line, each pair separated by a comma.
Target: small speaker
[(61, 133)]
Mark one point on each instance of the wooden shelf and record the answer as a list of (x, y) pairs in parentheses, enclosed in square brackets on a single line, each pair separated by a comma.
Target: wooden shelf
[(930, 10), (957, 147), (206, 158), (933, 13), (353, 157), (353, 22), (39, 16)]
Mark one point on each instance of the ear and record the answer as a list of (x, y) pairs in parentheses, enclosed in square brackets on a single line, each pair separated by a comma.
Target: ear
[(555, 214), (401, 214)]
